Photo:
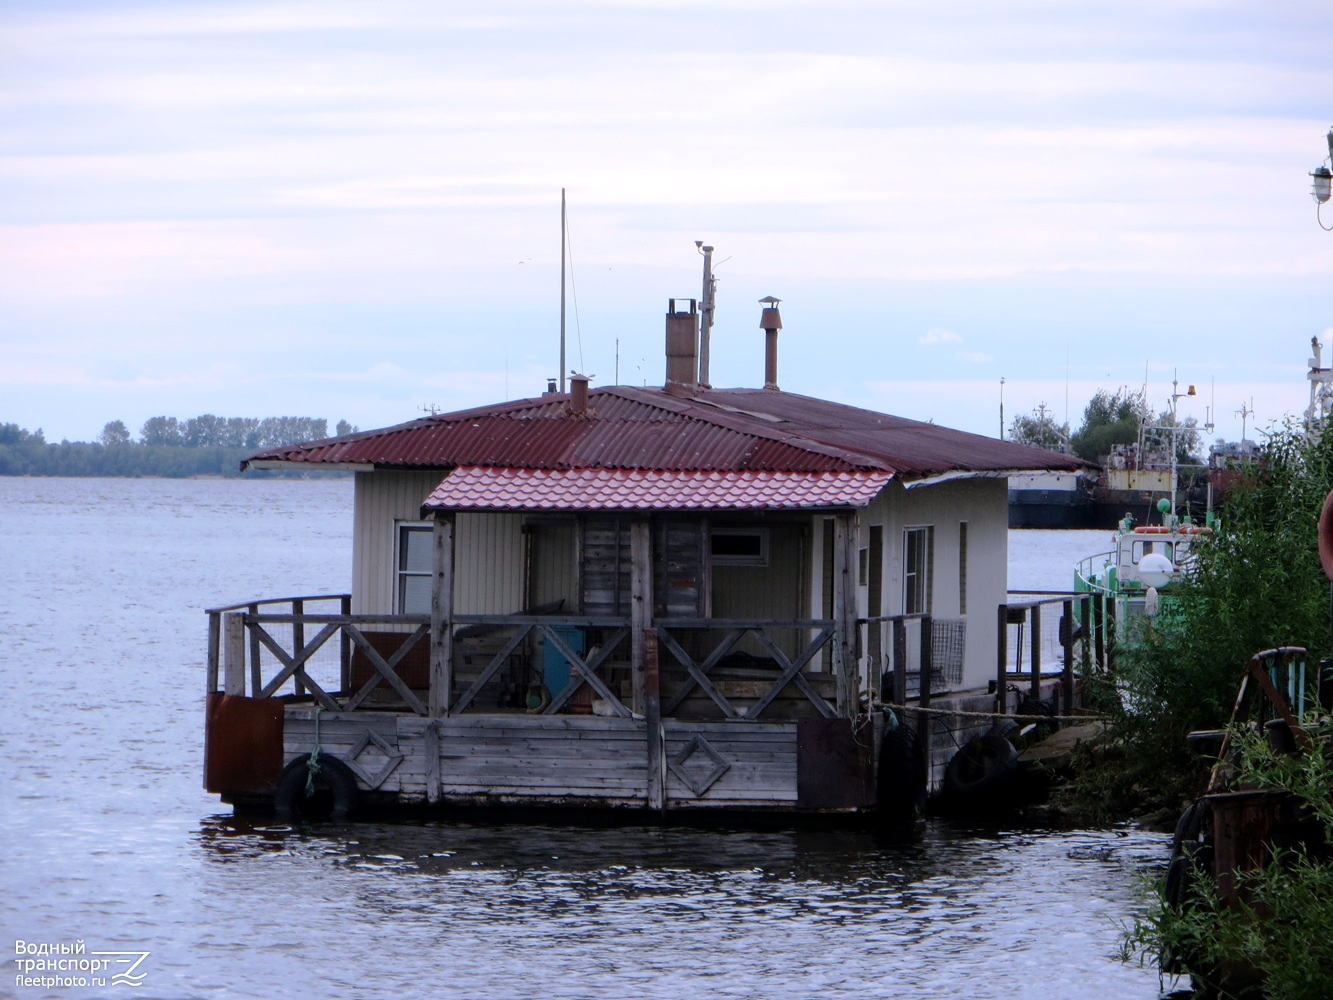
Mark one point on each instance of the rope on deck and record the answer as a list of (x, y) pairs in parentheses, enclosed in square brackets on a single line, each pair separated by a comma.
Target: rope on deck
[(312, 762), (997, 715)]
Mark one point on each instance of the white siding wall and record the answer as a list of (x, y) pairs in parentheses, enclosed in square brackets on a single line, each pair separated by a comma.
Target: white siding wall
[(488, 562), (984, 505)]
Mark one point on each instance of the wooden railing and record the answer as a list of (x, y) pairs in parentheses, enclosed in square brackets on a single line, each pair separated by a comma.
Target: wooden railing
[(270, 648), (814, 636), (1085, 633)]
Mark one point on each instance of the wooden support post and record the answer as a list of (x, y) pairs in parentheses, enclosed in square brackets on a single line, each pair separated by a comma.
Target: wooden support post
[(899, 662), (1034, 685), (1002, 659), (652, 717), (345, 646), (256, 678), (442, 616), (925, 725), (641, 606), (1085, 616), (1111, 640), (233, 653), (844, 613), (1099, 629), (434, 782), (214, 650), (1067, 679), (298, 638)]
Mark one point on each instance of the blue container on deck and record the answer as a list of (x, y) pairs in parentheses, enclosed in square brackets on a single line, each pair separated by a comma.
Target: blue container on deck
[(555, 666)]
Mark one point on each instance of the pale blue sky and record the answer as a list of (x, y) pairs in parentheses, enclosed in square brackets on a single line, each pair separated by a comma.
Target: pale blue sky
[(351, 210)]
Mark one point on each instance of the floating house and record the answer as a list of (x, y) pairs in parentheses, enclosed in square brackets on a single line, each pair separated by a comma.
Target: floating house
[(668, 599)]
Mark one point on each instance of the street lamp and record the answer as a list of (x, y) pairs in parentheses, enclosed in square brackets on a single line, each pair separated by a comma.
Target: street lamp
[(1323, 183)]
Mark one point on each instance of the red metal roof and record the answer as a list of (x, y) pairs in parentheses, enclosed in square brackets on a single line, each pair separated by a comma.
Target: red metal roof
[(468, 488), (626, 427)]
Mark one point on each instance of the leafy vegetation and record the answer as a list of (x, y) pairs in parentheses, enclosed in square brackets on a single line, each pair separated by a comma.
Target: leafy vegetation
[(1274, 937), (1257, 584), (1040, 430), (1109, 419), (200, 446)]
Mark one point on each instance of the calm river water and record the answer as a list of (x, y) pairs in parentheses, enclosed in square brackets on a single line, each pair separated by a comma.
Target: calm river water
[(108, 839)]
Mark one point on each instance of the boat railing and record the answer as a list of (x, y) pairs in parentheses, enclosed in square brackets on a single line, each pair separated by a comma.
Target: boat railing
[(1090, 573)]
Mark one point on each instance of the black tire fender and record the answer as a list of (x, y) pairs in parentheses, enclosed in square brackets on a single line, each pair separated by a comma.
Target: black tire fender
[(982, 766), (900, 787), (335, 790)]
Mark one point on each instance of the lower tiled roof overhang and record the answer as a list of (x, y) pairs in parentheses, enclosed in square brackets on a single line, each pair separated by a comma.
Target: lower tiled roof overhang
[(474, 488)]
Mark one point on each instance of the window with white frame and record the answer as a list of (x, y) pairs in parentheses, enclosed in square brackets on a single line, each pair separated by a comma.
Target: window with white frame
[(414, 569), (739, 546), (918, 559)]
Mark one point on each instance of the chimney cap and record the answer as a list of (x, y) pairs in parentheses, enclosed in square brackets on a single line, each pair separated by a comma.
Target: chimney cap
[(769, 300)]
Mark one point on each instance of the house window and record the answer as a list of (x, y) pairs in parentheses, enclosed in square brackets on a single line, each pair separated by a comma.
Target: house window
[(414, 568), (739, 546), (918, 556)]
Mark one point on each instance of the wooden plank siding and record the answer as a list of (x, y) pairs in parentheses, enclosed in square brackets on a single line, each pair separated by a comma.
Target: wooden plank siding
[(555, 760), (760, 758)]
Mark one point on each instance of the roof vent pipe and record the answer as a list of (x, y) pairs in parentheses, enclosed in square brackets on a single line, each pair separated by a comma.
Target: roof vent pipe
[(682, 338), (770, 321), (578, 393)]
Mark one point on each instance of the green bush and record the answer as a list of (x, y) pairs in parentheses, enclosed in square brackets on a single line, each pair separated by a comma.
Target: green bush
[(1257, 584), (1275, 939)]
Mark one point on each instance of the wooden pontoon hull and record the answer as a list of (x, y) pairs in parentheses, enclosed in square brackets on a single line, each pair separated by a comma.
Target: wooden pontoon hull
[(799, 765)]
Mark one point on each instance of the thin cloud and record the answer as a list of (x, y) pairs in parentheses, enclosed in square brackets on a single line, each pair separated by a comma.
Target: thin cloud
[(939, 336)]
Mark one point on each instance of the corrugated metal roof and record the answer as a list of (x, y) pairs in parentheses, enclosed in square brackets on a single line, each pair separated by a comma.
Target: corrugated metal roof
[(626, 427), (645, 489)]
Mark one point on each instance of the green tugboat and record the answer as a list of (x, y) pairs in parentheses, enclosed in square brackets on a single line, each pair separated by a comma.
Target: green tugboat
[(1138, 573)]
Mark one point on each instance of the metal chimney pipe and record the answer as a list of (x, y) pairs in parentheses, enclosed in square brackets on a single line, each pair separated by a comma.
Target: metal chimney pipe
[(706, 312), (770, 321)]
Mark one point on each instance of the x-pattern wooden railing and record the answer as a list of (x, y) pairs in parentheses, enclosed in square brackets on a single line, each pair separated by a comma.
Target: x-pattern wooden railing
[(384, 671), (790, 668), (583, 667)]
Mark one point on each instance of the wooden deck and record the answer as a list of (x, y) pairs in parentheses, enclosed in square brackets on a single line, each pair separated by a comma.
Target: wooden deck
[(696, 728)]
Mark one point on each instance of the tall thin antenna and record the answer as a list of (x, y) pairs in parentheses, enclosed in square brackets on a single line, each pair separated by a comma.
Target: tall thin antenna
[(562, 289)]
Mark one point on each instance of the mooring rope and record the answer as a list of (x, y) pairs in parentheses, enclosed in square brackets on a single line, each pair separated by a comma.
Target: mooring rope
[(312, 762), (995, 716)]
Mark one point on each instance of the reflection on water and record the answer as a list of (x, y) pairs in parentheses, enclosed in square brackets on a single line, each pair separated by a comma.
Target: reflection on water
[(584, 912), (107, 836)]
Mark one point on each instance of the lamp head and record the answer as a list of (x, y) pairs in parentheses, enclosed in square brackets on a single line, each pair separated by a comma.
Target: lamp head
[(1323, 184)]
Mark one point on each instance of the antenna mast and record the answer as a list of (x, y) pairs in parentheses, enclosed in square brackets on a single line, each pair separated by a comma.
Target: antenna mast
[(562, 289), (705, 311)]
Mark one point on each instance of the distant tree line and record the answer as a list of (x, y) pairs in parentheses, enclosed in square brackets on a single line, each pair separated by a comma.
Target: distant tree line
[(1111, 419), (206, 445)]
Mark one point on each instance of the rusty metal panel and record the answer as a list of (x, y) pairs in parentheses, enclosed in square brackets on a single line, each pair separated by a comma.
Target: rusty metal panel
[(832, 768), (242, 744), (627, 427)]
